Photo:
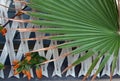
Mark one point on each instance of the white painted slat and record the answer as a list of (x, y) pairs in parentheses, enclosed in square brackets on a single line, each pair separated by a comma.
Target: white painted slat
[(118, 64), (71, 59), (3, 57), (38, 45), (106, 70), (49, 55), (82, 70), (57, 68), (10, 42), (97, 66), (3, 12)]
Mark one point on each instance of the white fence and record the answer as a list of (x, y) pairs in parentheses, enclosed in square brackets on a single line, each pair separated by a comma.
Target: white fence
[(8, 49)]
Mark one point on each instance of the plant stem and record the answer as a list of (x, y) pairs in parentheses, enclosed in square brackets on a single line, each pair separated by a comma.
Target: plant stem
[(17, 14)]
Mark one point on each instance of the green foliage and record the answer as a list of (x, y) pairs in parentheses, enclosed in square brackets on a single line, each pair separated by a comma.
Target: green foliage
[(87, 24), (1, 66), (30, 61), (1, 27)]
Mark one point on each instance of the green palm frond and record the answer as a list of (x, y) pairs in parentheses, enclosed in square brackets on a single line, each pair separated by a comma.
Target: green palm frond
[(89, 25)]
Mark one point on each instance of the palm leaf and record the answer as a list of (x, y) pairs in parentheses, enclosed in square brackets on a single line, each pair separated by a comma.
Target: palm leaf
[(86, 24)]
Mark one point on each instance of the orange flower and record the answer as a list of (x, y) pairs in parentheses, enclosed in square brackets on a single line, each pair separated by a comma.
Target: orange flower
[(16, 66), (15, 62), (24, 72), (3, 31), (28, 74), (16, 72), (28, 58), (39, 72), (28, 54)]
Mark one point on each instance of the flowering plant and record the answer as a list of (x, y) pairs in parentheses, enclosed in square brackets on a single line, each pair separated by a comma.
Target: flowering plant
[(31, 60)]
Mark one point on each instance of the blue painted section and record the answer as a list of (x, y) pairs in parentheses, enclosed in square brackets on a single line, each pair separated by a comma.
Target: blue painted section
[(2, 39)]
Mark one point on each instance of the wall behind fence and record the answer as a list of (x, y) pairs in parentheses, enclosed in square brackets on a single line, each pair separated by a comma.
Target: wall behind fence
[(9, 50)]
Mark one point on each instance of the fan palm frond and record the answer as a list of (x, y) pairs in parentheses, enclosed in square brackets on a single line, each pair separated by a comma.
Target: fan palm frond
[(89, 25)]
